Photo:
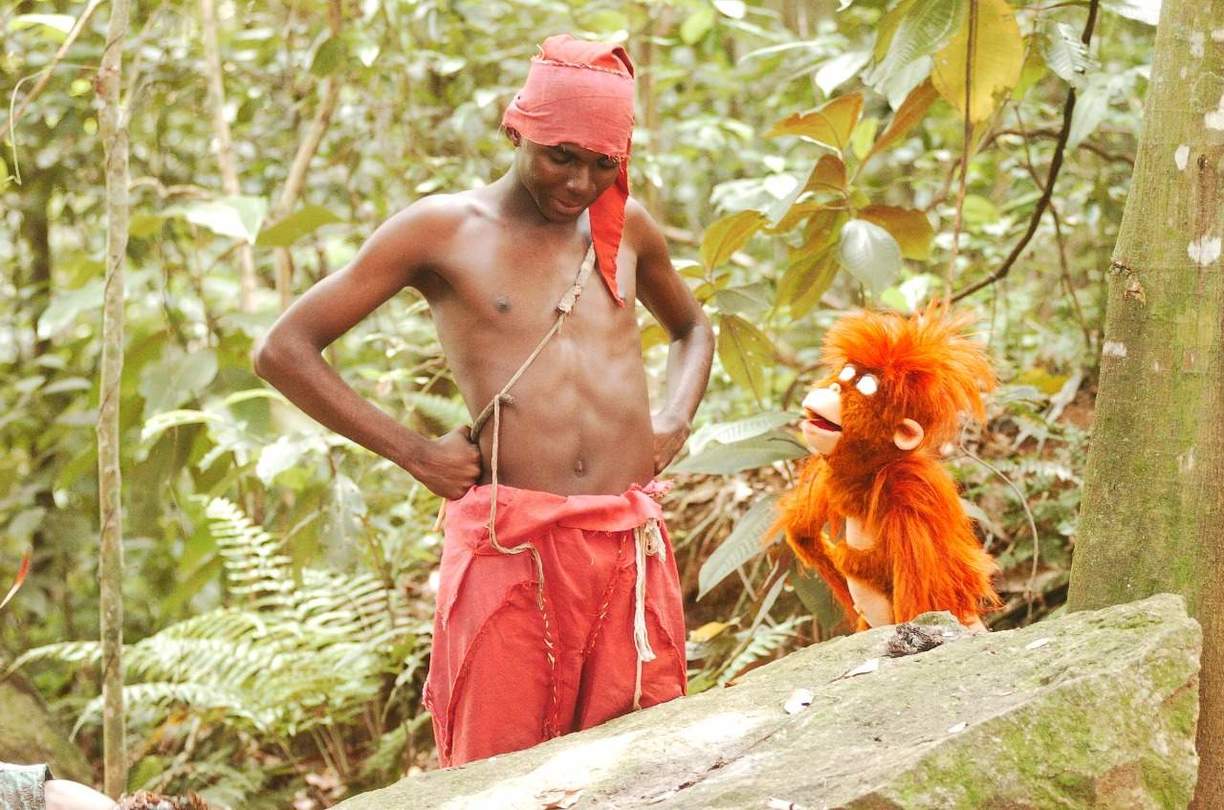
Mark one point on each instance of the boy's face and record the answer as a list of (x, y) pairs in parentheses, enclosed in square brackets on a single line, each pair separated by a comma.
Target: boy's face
[(564, 179)]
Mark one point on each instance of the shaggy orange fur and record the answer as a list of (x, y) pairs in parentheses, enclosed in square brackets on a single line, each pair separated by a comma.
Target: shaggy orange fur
[(925, 556)]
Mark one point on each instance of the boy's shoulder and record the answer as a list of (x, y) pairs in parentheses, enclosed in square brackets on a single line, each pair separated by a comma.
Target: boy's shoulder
[(642, 232), (420, 236), (441, 214)]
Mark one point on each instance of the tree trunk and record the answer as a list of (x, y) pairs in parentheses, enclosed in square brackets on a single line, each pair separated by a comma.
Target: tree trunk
[(1152, 517), (225, 148), (113, 125)]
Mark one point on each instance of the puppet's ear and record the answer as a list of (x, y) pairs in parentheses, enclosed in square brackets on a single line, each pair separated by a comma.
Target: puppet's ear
[(908, 434)]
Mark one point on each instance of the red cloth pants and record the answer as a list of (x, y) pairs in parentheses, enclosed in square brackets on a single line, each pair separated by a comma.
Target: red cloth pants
[(507, 672)]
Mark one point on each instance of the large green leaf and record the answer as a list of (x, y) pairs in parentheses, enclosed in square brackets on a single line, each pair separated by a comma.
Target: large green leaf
[(332, 53), (56, 26), (739, 429), (237, 217), (65, 306), (840, 69), (816, 597), (175, 378), (745, 352), (697, 24), (829, 125), (161, 422), (806, 278), (998, 57), (921, 28), (727, 459), (746, 541), (1145, 11), (886, 29), (277, 457), (909, 226), (1066, 55), (870, 254), (293, 227), (750, 300), (727, 235), (1091, 107)]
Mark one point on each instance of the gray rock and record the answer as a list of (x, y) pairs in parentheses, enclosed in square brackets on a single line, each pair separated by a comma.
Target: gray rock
[(1094, 709), (30, 735)]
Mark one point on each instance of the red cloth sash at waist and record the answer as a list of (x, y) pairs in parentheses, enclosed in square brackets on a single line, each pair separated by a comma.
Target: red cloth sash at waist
[(523, 513)]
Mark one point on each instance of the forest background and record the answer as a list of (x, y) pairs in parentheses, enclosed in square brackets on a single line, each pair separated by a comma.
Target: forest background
[(805, 158)]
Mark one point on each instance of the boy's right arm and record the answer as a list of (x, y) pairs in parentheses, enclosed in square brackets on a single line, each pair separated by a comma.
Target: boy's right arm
[(290, 355)]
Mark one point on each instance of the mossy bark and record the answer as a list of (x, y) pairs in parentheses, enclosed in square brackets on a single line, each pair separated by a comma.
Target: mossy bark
[(1152, 518)]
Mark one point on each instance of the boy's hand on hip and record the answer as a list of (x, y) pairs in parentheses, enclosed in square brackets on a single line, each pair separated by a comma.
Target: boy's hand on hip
[(670, 434), (452, 464)]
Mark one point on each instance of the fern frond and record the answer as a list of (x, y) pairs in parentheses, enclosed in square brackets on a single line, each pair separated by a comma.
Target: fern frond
[(765, 641), (164, 695), (68, 652), (253, 561), (444, 410), (297, 652)]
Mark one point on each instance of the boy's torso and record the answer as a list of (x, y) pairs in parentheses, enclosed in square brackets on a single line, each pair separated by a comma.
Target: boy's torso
[(580, 420)]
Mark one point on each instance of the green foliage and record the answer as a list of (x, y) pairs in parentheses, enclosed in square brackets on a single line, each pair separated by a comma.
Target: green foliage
[(286, 658), (747, 541)]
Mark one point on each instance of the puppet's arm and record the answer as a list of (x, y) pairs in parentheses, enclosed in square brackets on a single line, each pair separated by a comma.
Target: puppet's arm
[(868, 578), (937, 563), (803, 514), (815, 554)]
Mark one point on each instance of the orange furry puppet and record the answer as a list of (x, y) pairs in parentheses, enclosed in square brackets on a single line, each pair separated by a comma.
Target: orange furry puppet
[(874, 512)]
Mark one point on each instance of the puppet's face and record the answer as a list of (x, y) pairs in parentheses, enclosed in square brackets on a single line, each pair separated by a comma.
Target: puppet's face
[(851, 402)]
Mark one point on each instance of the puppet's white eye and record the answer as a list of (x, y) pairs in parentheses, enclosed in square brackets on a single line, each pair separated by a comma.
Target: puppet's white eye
[(868, 385), (847, 374)]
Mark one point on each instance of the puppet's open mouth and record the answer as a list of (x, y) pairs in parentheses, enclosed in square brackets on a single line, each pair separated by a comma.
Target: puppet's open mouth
[(817, 421)]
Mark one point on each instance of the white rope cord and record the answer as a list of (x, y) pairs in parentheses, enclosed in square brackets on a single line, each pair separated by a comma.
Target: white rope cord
[(648, 542), (564, 307)]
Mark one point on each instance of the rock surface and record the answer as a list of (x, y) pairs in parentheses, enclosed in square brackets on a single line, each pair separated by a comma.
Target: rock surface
[(29, 735), (1094, 709)]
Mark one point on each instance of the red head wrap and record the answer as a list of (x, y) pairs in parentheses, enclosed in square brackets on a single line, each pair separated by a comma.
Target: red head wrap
[(582, 93)]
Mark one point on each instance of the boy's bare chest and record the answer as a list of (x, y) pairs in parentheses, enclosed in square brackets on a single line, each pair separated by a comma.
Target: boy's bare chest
[(511, 287), (492, 303)]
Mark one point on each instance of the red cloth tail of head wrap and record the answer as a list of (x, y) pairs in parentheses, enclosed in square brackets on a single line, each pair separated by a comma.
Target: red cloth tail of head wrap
[(582, 93), (607, 225)]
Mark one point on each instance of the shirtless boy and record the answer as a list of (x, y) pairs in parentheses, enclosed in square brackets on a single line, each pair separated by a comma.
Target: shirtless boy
[(559, 604)]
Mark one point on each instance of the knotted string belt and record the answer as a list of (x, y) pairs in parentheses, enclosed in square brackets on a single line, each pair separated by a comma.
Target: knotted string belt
[(647, 538)]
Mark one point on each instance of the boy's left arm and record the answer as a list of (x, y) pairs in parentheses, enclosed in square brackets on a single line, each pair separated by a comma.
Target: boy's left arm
[(691, 350)]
